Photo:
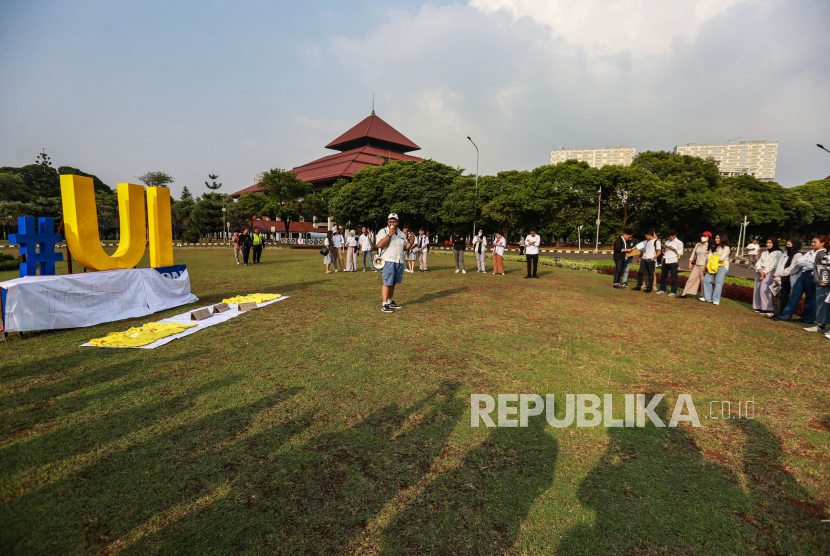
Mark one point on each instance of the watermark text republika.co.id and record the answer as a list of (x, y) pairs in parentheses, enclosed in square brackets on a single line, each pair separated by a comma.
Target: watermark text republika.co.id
[(589, 410)]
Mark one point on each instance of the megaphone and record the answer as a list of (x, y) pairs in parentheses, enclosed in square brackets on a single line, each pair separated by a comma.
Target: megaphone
[(378, 262)]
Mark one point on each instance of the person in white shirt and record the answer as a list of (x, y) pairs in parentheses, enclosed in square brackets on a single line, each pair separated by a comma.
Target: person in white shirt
[(327, 259), (480, 250), (365, 242), (764, 275), (804, 285), (498, 254), (410, 255), (752, 250), (351, 252), (532, 242), (336, 248), (672, 250), (422, 244), (651, 250), (392, 244)]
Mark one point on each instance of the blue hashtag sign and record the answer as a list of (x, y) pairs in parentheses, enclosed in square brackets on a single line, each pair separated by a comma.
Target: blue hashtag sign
[(27, 237)]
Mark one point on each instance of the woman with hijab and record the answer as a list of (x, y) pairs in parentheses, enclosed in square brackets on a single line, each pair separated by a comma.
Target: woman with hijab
[(722, 248), (480, 249), (764, 274), (697, 265), (804, 285), (786, 275), (821, 277), (328, 242)]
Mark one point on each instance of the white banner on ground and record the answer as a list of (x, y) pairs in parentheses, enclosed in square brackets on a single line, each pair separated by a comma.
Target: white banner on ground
[(78, 300), (184, 318)]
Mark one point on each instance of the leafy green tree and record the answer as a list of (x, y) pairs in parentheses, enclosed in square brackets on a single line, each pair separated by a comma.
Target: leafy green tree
[(40, 181), (186, 195), (206, 215), (817, 194), (561, 197), (285, 192), (180, 213), (214, 186), (106, 206), (156, 179), (458, 208), (241, 213), (97, 184), (629, 195), (686, 196), (13, 188)]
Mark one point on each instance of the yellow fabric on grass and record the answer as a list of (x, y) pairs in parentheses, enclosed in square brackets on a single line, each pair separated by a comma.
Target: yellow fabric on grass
[(255, 297), (147, 334)]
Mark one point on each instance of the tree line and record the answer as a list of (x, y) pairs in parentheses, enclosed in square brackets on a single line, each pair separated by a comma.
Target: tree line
[(659, 190)]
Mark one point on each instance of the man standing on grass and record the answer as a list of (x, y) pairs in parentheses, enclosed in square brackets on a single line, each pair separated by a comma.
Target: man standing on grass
[(423, 250), (366, 248), (336, 248), (245, 244), (257, 241), (672, 250), (532, 242), (391, 246), (459, 245), (623, 245), (651, 250)]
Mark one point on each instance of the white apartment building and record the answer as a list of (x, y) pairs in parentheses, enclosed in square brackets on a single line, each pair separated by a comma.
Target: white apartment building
[(596, 158), (755, 158)]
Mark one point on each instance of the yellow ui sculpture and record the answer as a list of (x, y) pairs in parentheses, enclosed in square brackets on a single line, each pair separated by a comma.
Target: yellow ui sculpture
[(80, 219)]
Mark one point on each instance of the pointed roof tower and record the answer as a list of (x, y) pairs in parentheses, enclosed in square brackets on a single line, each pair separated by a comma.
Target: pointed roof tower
[(373, 132)]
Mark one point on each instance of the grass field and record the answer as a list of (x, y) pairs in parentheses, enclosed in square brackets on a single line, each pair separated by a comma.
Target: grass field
[(319, 425)]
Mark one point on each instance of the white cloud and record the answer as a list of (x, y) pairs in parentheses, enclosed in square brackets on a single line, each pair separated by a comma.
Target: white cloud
[(602, 27)]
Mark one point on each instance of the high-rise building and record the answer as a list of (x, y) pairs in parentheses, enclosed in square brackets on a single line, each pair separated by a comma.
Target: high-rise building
[(754, 158), (596, 158)]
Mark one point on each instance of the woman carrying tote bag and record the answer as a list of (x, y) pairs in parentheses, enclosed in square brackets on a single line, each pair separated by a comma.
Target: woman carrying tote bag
[(764, 275)]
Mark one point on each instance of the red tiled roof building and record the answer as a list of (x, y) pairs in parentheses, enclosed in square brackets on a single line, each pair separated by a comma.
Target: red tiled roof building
[(369, 143)]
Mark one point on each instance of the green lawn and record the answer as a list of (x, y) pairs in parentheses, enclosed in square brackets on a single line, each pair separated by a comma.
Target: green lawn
[(319, 425)]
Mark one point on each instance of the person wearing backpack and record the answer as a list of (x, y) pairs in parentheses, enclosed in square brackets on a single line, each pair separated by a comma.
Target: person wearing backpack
[(257, 243), (716, 268), (672, 250), (821, 277), (697, 265), (652, 250)]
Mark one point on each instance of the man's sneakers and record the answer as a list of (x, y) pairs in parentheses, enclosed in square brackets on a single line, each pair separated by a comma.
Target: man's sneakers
[(624, 285), (814, 329), (463, 272), (618, 286), (385, 308), (394, 305), (661, 292), (457, 271), (672, 295)]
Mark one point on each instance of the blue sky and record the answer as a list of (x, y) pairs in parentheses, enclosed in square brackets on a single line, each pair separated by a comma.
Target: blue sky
[(121, 88)]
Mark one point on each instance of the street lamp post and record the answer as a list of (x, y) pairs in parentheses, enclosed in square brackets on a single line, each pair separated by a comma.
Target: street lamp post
[(579, 238), (224, 226), (475, 206), (599, 204)]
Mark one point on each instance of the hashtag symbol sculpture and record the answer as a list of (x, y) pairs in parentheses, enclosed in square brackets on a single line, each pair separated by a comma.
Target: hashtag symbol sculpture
[(27, 237)]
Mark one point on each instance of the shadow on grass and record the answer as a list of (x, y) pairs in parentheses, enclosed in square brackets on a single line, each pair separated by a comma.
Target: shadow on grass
[(318, 497), (655, 493), (479, 507), (438, 295), (114, 501)]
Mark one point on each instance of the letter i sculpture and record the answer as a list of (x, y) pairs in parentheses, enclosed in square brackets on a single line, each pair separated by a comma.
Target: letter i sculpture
[(45, 238)]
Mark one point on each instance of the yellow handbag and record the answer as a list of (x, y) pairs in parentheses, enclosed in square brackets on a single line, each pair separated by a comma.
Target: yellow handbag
[(713, 264)]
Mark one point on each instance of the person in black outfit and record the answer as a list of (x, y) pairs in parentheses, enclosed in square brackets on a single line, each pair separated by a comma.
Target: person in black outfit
[(622, 246), (245, 242)]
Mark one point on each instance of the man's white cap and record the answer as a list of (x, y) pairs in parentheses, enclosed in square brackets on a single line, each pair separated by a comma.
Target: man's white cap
[(392, 215), (351, 232)]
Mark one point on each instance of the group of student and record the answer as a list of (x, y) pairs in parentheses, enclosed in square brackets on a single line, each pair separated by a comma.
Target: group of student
[(783, 277), (708, 264), (354, 247)]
